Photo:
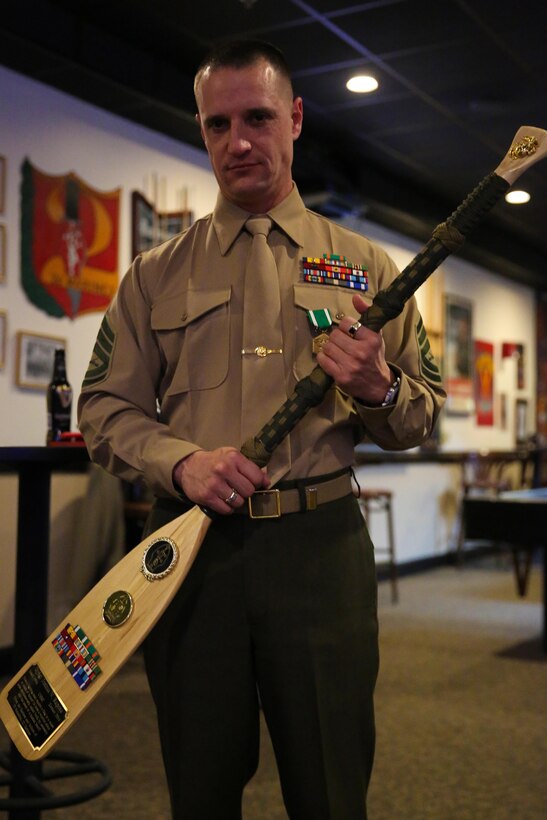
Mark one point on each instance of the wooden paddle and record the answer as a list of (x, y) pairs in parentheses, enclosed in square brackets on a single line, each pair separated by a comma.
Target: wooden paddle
[(45, 698)]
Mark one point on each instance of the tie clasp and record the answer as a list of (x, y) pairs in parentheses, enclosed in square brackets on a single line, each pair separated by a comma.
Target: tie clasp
[(261, 351)]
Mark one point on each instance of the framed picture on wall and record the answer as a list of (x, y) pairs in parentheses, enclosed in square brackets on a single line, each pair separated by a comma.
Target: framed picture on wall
[(34, 359), (151, 227), (2, 184), (3, 337), (484, 383), (521, 421), (144, 228), (503, 411), (521, 367), (172, 223), (516, 351), (458, 360), (2, 253)]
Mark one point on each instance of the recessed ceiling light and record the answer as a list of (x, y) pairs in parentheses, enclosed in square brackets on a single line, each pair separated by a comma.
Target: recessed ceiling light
[(517, 197), (362, 84)]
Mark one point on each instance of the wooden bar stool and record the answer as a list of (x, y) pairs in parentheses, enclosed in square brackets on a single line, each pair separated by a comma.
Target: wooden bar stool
[(377, 500)]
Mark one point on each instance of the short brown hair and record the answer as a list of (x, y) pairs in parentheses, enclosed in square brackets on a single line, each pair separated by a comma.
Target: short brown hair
[(243, 53)]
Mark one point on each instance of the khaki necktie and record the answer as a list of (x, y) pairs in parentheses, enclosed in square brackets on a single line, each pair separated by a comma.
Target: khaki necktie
[(263, 368)]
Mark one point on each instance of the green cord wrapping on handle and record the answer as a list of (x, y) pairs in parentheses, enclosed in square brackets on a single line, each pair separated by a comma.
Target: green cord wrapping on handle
[(447, 237), (387, 304), (308, 392), (478, 203)]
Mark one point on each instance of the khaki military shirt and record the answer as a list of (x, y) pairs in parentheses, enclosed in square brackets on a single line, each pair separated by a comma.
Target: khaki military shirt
[(165, 375)]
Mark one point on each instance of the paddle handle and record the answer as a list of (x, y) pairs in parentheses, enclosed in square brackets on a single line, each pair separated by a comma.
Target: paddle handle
[(447, 238), (529, 145)]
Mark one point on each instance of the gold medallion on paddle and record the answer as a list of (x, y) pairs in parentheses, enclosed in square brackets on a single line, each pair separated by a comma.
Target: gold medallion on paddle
[(117, 608)]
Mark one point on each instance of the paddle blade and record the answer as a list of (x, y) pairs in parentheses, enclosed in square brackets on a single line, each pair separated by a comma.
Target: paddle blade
[(61, 679)]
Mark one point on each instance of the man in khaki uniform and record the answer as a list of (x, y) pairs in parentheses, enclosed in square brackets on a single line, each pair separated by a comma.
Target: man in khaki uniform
[(285, 605)]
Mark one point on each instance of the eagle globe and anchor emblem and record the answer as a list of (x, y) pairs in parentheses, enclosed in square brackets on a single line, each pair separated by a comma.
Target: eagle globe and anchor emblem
[(159, 559)]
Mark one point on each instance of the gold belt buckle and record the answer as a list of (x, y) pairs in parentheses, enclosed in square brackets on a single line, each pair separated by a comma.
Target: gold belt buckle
[(276, 514)]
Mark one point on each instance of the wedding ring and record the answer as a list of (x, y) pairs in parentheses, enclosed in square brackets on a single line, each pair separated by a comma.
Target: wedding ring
[(354, 328), (232, 497)]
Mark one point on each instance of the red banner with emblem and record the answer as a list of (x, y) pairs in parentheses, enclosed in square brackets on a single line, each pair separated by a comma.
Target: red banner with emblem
[(69, 243), (484, 383)]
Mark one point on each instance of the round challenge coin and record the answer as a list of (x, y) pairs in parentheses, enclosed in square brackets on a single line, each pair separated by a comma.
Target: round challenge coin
[(159, 558), (117, 608)]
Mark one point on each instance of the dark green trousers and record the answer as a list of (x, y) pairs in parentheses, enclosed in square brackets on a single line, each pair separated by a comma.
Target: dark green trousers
[(283, 611)]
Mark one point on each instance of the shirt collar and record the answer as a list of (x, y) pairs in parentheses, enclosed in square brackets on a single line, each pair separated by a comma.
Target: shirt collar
[(229, 219)]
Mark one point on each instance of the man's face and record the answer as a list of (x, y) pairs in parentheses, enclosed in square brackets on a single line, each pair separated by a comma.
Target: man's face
[(249, 122)]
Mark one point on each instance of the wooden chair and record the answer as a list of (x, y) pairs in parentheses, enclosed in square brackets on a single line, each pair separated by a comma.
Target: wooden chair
[(372, 501)]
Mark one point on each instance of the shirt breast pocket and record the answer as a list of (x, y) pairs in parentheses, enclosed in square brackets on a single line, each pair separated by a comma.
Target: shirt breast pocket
[(337, 300), (193, 332)]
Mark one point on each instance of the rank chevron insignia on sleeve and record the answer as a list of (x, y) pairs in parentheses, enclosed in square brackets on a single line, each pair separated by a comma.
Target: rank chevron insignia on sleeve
[(428, 365), (97, 370)]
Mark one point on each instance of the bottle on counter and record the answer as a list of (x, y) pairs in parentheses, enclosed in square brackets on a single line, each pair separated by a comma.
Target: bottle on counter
[(59, 400)]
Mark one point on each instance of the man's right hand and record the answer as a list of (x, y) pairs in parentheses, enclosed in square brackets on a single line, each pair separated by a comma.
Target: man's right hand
[(210, 478)]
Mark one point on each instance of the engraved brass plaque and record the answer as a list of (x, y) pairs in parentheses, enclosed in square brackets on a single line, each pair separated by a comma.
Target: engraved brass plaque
[(37, 707)]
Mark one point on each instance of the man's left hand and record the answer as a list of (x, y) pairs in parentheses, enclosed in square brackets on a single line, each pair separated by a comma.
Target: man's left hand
[(357, 363)]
